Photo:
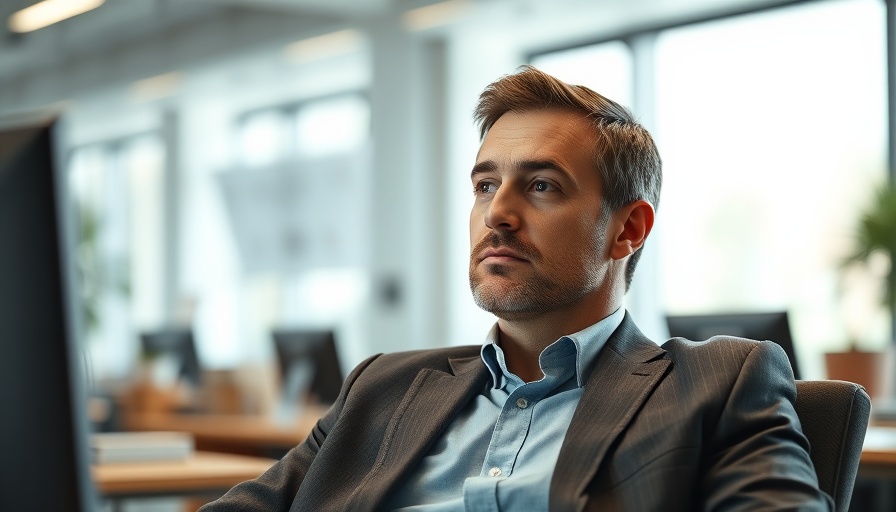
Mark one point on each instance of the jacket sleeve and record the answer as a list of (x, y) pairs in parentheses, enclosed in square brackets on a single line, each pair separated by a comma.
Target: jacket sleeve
[(758, 456), (276, 488)]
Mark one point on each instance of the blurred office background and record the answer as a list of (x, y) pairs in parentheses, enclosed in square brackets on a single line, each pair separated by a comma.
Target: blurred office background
[(245, 165)]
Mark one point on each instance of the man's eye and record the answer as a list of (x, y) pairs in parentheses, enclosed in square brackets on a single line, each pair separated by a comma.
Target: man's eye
[(542, 186), (485, 187)]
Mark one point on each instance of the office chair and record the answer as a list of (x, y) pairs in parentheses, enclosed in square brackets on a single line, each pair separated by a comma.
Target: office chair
[(834, 415)]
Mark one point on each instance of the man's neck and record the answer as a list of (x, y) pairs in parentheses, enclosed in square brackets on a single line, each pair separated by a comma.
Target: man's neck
[(523, 339)]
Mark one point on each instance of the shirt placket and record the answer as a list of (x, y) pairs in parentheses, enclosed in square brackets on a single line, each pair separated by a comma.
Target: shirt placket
[(510, 433), (512, 428), (507, 440)]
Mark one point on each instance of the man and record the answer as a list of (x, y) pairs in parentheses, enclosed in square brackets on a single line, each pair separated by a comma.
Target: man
[(567, 406)]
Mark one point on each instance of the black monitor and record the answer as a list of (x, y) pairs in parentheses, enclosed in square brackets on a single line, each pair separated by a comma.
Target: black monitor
[(314, 351), (175, 343), (772, 326), (44, 429)]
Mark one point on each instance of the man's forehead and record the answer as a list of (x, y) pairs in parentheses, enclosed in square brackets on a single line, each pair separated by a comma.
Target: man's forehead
[(545, 117), (550, 134)]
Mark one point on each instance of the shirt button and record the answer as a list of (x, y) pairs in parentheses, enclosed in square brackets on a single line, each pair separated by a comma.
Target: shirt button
[(522, 403), (494, 472)]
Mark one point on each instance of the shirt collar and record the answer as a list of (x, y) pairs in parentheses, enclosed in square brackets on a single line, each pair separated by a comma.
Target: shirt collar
[(587, 342)]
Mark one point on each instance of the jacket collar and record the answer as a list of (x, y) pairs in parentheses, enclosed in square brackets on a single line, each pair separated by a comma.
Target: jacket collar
[(624, 375), (430, 404)]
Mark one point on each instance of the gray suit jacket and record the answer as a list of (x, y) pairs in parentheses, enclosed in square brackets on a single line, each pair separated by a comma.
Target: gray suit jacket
[(686, 426)]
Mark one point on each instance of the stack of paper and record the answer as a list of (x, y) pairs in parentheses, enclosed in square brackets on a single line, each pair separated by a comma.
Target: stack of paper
[(140, 446)]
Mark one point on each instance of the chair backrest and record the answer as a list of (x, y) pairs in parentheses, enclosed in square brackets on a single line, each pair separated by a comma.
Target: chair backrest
[(834, 415)]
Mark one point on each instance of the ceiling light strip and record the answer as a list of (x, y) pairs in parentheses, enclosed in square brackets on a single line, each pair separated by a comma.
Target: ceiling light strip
[(48, 12)]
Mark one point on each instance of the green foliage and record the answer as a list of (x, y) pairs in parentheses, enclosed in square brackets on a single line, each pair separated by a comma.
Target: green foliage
[(96, 274), (86, 264), (876, 232)]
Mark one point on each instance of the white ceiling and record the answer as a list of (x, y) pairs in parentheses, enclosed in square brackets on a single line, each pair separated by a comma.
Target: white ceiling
[(118, 22), (126, 23)]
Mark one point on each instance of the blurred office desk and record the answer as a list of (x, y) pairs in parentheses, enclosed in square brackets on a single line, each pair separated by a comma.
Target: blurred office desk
[(230, 433), (879, 453), (875, 489), (209, 474)]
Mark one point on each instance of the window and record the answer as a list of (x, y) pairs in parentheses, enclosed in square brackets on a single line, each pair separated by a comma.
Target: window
[(772, 140), (118, 193), (320, 127), (263, 137), (296, 209), (332, 126), (772, 131)]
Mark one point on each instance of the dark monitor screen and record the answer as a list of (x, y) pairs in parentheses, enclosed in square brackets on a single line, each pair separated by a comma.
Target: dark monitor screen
[(175, 343), (757, 326), (43, 431), (312, 349)]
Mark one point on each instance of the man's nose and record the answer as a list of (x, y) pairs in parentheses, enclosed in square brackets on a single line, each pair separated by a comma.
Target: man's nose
[(503, 210)]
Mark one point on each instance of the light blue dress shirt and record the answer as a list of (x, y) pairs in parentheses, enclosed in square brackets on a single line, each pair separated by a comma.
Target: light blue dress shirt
[(499, 453)]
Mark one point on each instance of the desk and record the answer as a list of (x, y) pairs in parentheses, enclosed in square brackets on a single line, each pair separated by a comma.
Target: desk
[(877, 470), (201, 473), (255, 434), (232, 433), (879, 453), (217, 472)]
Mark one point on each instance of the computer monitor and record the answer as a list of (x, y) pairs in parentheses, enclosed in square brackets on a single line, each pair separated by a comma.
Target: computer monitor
[(176, 344), (772, 326), (313, 353), (44, 428)]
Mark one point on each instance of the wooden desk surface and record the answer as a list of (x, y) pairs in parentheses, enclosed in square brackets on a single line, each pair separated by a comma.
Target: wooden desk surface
[(219, 429), (879, 453), (880, 442), (206, 471), (202, 472)]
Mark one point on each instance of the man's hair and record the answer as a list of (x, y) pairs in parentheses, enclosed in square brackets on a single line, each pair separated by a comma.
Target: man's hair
[(624, 152)]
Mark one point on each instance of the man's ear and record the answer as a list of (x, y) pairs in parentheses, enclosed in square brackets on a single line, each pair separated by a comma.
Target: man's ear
[(631, 225)]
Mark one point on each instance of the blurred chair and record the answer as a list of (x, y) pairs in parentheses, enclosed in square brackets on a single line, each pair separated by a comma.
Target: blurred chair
[(834, 415)]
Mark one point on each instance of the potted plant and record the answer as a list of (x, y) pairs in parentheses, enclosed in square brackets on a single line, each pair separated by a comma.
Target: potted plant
[(875, 236)]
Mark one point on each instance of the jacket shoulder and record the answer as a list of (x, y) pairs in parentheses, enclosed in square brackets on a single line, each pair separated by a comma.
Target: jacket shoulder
[(729, 353), (716, 344)]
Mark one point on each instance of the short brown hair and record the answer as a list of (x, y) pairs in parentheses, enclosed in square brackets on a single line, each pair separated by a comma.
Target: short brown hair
[(624, 152)]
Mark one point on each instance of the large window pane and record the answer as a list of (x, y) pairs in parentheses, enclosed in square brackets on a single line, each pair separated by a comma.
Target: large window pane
[(263, 137), (332, 126), (118, 188), (772, 130), (296, 207)]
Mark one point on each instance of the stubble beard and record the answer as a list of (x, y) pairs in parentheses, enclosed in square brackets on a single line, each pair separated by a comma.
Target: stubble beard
[(525, 298)]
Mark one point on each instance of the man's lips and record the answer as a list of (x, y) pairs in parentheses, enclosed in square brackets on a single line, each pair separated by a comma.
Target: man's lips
[(500, 254)]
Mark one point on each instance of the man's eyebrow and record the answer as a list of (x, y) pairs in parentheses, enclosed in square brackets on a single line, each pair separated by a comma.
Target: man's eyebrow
[(525, 165), (539, 165), (486, 166)]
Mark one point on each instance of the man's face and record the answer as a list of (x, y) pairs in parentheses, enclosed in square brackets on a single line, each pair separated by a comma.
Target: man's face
[(536, 233)]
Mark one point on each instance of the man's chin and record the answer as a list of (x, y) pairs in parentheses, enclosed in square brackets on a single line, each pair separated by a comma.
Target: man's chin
[(501, 301), (507, 310), (495, 286)]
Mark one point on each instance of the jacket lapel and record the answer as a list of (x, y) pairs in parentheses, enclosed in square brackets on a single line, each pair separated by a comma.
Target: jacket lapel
[(426, 410), (625, 373)]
